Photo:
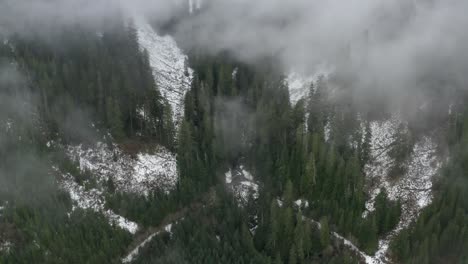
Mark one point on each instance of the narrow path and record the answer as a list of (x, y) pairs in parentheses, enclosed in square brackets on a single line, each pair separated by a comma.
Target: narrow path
[(377, 259), (145, 236), (346, 242)]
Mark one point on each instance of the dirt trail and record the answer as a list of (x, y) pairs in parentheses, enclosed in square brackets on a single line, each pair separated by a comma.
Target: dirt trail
[(143, 235)]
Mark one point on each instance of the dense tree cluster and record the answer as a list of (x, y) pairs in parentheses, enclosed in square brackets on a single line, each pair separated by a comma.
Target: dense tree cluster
[(440, 235), (87, 77)]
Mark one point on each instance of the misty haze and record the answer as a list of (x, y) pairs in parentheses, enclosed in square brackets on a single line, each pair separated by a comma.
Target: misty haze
[(233, 131)]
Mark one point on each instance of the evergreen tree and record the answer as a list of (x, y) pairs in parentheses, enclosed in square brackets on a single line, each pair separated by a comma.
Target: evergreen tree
[(324, 232)]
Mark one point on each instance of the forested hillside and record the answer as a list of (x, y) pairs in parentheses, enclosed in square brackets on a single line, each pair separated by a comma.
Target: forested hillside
[(99, 165)]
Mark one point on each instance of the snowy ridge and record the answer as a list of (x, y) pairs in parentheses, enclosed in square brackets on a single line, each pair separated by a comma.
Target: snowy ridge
[(242, 184), (172, 75), (132, 255), (94, 199), (142, 174)]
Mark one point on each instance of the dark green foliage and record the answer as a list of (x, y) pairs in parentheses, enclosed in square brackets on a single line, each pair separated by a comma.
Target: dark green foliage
[(400, 152), (440, 234), (92, 78), (214, 235), (49, 235), (313, 150)]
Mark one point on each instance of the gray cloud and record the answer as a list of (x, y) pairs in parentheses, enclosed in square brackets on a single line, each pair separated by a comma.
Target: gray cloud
[(396, 45), (395, 41), (22, 169)]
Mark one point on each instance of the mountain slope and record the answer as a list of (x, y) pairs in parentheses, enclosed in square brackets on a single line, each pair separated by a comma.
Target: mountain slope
[(170, 67)]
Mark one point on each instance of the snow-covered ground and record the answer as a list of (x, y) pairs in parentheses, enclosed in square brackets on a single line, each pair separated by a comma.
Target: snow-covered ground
[(170, 67), (413, 188), (94, 199), (134, 253), (5, 246), (350, 245), (146, 172), (242, 184), (301, 204), (299, 84)]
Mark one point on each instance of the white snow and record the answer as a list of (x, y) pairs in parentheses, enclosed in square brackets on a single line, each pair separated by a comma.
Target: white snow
[(234, 73), (301, 203), (246, 174), (50, 143), (5, 246), (413, 189), (130, 257), (228, 175), (139, 175), (242, 184), (148, 168), (346, 242), (94, 199), (168, 228), (280, 203), (299, 84), (134, 253), (327, 131), (172, 75)]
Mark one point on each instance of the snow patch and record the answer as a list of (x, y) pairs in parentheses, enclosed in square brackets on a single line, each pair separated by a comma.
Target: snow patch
[(302, 203), (134, 253), (242, 184), (234, 73), (170, 70), (413, 189), (140, 175), (327, 131), (130, 257), (168, 228), (93, 199), (5, 246), (299, 84), (228, 176)]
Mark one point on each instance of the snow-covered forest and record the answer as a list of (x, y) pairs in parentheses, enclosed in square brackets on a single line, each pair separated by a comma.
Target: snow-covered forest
[(126, 138)]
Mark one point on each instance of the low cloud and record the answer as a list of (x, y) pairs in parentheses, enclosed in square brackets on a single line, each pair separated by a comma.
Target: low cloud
[(398, 47)]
